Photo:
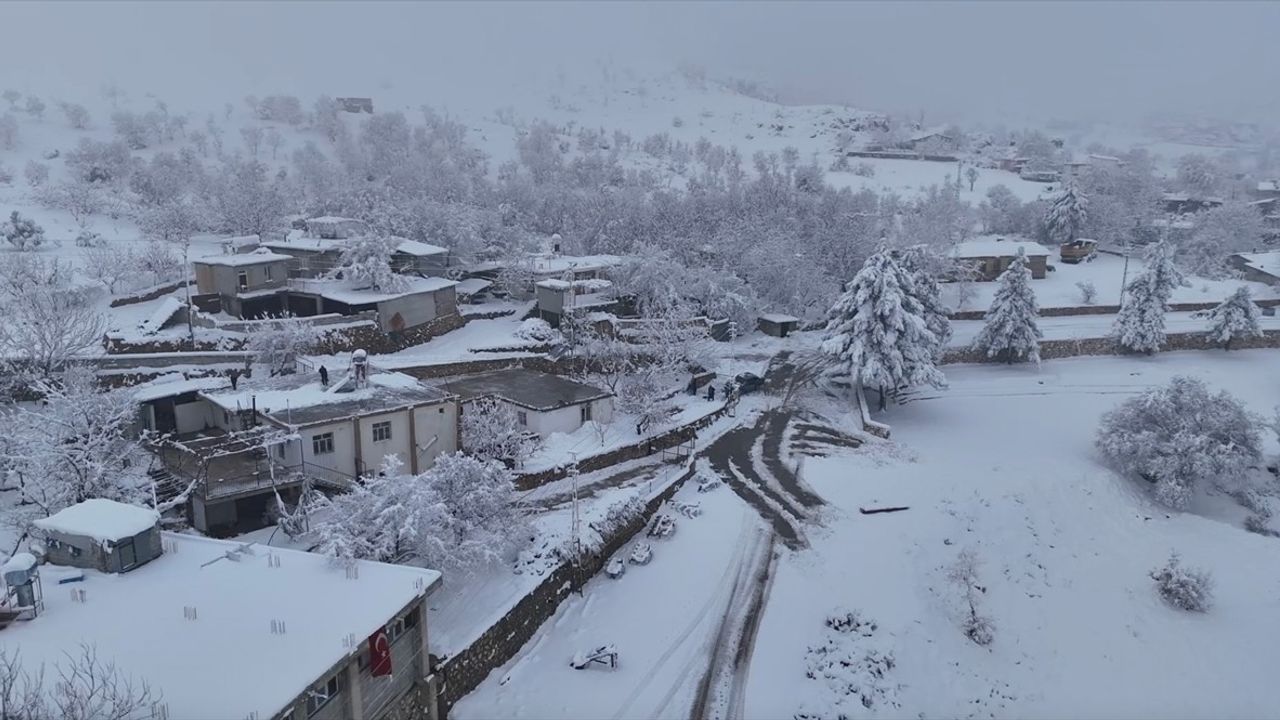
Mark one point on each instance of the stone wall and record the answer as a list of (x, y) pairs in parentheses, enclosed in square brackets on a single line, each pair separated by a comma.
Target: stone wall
[(1107, 309), (1052, 349), (464, 672), (148, 294), (123, 346), (368, 336), (644, 448)]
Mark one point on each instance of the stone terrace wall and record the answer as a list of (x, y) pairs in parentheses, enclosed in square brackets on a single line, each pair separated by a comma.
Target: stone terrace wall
[(1051, 349), (464, 672), (1107, 309), (149, 294), (644, 448)]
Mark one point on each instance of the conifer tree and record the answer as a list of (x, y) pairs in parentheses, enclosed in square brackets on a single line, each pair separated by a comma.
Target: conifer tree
[(1010, 330)]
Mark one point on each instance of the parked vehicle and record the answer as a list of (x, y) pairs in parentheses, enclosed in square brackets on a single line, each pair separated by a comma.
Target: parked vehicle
[(1079, 250), (641, 554), (748, 383), (616, 568)]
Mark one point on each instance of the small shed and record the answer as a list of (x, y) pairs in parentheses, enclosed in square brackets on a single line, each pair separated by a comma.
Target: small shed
[(102, 535), (990, 256), (778, 325)]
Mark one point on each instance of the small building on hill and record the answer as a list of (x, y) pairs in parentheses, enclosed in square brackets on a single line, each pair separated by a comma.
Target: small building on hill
[(990, 256), (1263, 267), (355, 104), (248, 285), (778, 325)]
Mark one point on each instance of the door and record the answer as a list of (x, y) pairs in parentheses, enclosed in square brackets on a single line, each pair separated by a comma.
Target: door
[(166, 418), (127, 554)]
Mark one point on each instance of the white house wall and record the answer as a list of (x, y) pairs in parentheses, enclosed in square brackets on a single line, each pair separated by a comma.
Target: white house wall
[(568, 419), (375, 452), (192, 417), (343, 457), (436, 427)]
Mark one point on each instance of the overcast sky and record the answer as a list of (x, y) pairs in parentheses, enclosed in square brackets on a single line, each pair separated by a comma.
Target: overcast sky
[(1084, 59)]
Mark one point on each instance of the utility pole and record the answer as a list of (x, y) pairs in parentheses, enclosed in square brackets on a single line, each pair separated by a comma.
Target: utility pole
[(186, 283), (575, 529)]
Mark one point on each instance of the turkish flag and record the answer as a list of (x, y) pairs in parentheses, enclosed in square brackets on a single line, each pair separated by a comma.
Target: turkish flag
[(379, 653)]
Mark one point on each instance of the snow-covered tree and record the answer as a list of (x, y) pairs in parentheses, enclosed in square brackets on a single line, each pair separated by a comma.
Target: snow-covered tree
[(36, 173), (1198, 175), (244, 200), (111, 265), (11, 96), (972, 176), (81, 686), (1088, 292), (174, 221), (366, 263), (77, 115), (458, 515), (964, 575), (1235, 317), (47, 322), (8, 131), (1068, 214), (1010, 330), (877, 332), (1179, 436), (96, 162), (79, 199), (278, 342), (35, 107), (1183, 587), (1139, 325), (491, 430), (252, 137), (1219, 232), (22, 233), (74, 446), (925, 265)]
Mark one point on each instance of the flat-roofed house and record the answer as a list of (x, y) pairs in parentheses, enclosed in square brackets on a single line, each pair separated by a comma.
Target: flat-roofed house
[(990, 256), (544, 403), (247, 285)]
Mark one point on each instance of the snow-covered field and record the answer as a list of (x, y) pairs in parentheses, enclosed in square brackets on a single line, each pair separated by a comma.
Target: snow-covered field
[(1002, 464)]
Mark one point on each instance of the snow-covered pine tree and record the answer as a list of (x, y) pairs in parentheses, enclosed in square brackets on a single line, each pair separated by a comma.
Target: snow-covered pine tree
[(1235, 317), (1068, 213), (1010, 330), (924, 269), (877, 332), (1140, 324)]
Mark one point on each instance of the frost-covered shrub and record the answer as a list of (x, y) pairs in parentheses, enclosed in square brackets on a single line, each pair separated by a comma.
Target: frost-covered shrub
[(36, 173), (1178, 436), (1185, 588), (864, 169), (22, 233), (620, 515), (963, 573), (852, 664), (492, 430), (1088, 292), (537, 330)]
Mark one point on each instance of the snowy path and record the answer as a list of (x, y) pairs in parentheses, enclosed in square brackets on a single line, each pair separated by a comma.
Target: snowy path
[(666, 619)]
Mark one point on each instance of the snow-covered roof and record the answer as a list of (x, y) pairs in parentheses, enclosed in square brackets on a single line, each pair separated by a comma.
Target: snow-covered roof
[(101, 520), (995, 247), (21, 562), (579, 263), (420, 249), (301, 399), (169, 387), (527, 388), (1267, 262), (331, 220), (471, 286), (152, 324), (1186, 197), (240, 241), (1269, 186), (779, 318), (341, 291), (555, 284), (217, 664), (298, 242), (257, 257)]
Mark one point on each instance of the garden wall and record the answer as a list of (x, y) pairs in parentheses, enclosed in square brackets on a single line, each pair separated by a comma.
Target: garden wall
[(148, 294), (1107, 309), (464, 672), (1051, 349)]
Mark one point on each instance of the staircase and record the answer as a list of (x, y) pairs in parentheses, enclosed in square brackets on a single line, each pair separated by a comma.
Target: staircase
[(167, 485)]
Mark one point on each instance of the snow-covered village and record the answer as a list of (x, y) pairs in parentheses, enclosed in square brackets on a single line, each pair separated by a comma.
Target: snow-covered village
[(794, 361)]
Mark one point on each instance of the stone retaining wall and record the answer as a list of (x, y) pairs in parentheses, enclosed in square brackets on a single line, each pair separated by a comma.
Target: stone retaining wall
[(1107, 309), (148, 294), (644, 448), (464, 672), (1052, 349)]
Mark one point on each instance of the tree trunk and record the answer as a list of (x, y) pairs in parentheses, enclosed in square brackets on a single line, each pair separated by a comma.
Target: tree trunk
[(883, 402)]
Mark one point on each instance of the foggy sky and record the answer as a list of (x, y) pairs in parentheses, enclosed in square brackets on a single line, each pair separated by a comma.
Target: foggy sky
[(986, 60)]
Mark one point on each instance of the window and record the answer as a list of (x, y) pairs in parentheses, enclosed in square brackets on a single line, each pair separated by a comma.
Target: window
[(397, 627), (242, 280), (586, 413), (266, 272), (322, 444), (320, 695), (382, 431), (73, 551), (522, 417)]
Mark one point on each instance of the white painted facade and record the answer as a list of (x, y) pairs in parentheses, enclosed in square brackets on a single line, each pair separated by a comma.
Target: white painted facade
[(418, 435), (562, 420)]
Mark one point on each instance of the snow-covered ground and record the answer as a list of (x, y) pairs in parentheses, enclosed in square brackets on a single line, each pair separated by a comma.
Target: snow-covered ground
[(1002, 463), (1106, 272)]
